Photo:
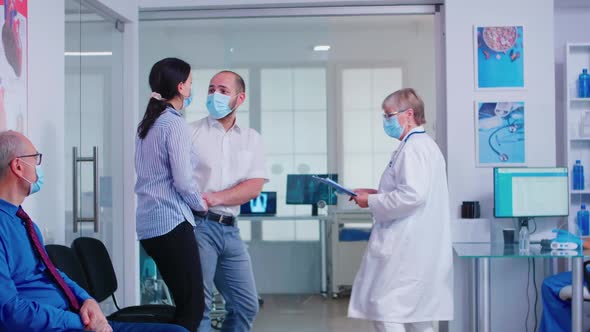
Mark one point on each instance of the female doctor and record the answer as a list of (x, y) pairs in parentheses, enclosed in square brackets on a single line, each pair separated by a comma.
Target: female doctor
[(405, 281)]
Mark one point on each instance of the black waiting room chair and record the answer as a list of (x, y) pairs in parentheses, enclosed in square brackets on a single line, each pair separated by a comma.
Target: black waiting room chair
[(65, 259), (102, 282)]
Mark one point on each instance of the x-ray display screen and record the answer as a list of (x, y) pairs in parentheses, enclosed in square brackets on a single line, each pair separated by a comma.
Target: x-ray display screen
[(530, 192), (303, 189), (265, 205)]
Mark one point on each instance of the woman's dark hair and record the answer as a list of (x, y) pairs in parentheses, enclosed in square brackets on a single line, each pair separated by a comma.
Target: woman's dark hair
[(165, 76)]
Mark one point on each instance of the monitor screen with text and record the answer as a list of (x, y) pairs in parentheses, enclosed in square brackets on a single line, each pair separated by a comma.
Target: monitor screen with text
[(531, 192)]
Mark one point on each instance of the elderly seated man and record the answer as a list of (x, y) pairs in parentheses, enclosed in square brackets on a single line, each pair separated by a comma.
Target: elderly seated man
[(35, 295)]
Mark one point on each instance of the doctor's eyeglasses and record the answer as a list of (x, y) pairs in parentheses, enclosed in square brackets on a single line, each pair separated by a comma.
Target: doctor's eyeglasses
[(38, 157), (392, 114)]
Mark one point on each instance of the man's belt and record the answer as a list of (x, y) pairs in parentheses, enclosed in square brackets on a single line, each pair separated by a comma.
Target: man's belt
[(212, 216)]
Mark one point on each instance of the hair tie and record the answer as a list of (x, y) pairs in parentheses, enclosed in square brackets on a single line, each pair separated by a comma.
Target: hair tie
[(156, 96)]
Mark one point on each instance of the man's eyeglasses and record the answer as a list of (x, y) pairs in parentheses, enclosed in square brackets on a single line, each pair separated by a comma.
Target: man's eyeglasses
[(392, 114), (38, 157)]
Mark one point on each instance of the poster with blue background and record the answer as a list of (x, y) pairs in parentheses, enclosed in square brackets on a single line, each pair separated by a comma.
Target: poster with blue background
[(500, 57), (500, 133)]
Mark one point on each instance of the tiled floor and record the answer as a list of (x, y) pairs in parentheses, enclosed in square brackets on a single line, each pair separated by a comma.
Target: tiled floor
[(306, 313)]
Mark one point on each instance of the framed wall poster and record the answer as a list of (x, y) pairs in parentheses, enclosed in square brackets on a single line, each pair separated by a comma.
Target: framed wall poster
[(13, 65), (499, 57), (500, 134)]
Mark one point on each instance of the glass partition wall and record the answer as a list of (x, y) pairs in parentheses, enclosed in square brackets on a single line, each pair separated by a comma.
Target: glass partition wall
[(94, 129), (314, 88)]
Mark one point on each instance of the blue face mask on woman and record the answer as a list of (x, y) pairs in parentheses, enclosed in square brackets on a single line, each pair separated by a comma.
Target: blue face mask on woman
[(392, 127), (35, 186), (188, 100), (218, 105)]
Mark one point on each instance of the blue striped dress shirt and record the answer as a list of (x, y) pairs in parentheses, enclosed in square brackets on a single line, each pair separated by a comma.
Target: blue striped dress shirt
[(166, 191)]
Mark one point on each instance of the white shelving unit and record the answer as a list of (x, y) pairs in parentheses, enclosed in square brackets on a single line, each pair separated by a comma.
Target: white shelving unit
[(577, 147)]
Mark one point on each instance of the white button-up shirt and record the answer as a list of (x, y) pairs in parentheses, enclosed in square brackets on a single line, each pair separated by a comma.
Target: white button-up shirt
[(226, 159)]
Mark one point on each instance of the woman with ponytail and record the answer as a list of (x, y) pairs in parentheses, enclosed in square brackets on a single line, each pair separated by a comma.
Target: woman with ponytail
[(166, 191)]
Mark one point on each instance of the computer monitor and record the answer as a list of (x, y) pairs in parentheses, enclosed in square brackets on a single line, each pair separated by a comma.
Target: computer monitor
[(263, 205), (530, 192), (302, 189)]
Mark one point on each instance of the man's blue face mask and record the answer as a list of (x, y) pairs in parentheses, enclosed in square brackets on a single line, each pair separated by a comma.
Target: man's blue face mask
[(35, 186), (218, 105)]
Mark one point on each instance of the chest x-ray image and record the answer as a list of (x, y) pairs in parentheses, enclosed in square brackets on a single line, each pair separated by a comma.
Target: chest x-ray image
[(500, 133)]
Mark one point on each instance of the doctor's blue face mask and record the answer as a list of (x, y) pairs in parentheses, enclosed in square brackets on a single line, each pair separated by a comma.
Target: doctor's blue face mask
[(391, 125), (218, 105)]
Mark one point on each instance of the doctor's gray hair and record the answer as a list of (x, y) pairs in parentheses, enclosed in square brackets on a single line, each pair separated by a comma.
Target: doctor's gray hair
[(404, 99), (11, 145)]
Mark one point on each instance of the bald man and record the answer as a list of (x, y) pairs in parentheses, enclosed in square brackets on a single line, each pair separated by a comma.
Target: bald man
[(230, 172)]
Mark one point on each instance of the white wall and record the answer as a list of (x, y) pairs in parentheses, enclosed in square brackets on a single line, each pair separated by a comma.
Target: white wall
[(466, 182), (45, 119)]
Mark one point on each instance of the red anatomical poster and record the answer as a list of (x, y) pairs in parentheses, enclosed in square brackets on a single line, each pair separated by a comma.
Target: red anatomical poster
[(13, 65)]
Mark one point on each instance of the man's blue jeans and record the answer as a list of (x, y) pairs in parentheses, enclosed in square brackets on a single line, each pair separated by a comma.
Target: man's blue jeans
[(226, 263)]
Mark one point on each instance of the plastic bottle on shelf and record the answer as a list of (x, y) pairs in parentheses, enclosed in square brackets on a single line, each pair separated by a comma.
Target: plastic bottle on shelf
[(578, 178), (584, 84), (583, 220)]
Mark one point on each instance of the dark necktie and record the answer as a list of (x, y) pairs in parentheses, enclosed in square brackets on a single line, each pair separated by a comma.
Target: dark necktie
[(74, 304)]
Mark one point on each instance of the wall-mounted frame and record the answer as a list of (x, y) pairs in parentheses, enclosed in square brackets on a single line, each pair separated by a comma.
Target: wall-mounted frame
[(500, 133), (13, 65), (499, 57)]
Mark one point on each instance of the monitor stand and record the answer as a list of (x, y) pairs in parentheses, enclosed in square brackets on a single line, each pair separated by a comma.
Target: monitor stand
[(314, 209), (523, 221)]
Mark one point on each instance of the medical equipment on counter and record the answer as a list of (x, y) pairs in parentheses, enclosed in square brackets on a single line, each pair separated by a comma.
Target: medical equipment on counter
[(565, 240)]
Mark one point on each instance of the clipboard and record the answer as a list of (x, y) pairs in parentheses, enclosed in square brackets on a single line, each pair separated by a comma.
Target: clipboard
[(335, 185)]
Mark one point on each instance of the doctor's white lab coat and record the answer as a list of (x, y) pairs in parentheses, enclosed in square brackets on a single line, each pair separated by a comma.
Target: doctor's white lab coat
[(406, 274)]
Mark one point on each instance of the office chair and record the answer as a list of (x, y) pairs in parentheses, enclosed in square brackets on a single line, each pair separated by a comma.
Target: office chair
[(102, 281), (65, 259)]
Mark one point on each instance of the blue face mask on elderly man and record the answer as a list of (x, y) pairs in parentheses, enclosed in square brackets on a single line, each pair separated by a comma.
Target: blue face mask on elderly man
[(218, 105), (35, 186)]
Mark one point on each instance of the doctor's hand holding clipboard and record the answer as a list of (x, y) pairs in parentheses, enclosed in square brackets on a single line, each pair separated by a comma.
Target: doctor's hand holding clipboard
[(362, 196)]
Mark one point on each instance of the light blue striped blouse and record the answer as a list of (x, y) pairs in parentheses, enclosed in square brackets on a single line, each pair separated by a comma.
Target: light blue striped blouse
[(165, 188)]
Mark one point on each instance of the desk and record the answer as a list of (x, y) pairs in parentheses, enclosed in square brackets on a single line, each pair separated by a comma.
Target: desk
[(322, 220), (482, 252)]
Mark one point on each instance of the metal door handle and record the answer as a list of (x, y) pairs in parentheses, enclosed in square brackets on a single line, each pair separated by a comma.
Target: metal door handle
[(76, 161)]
